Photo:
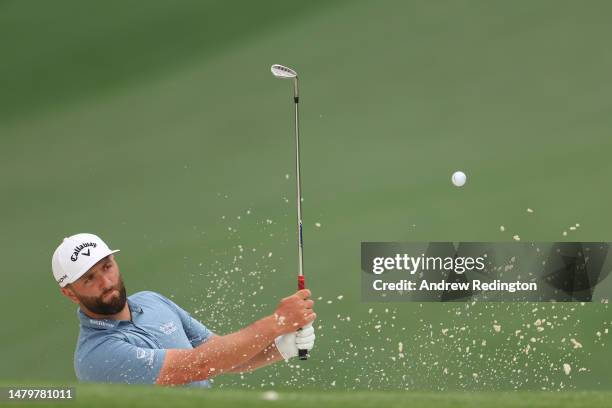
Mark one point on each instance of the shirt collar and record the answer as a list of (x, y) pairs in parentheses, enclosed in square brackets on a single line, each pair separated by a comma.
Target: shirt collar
[(107, 323)]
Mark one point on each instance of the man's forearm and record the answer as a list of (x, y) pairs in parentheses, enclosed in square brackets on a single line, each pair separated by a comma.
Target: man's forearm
[(218, 355), (222, 353), (267, 356)]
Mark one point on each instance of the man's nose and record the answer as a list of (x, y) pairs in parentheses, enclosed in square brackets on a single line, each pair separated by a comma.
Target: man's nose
[(105, 283)]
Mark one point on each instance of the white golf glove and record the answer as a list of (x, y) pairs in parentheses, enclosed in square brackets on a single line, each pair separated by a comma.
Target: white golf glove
[(289, 344)]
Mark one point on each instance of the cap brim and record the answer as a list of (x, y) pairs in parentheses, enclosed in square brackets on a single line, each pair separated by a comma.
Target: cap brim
[(91, 263)]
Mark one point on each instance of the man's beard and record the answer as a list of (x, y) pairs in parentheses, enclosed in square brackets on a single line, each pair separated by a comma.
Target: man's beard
[(98, 306)]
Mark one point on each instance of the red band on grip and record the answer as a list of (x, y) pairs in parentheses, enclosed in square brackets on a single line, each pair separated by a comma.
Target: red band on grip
[(301, 283)]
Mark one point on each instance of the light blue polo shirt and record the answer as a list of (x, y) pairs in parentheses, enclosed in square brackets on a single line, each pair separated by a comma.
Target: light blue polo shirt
[(132, 352)]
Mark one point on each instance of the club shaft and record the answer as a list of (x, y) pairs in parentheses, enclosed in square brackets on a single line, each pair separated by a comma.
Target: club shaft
[(298, 178), (303, 353)]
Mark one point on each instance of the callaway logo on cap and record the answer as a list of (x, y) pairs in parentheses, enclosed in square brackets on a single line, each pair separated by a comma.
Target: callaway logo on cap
[(76, 255)]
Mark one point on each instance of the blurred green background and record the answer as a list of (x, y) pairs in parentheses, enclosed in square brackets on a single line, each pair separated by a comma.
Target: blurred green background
[(158, 126)]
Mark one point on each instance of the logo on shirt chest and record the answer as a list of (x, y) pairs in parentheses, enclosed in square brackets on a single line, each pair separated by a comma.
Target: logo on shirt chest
[(168, 328)]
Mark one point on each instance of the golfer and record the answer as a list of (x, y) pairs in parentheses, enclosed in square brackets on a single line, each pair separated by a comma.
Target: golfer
[(148, 339)]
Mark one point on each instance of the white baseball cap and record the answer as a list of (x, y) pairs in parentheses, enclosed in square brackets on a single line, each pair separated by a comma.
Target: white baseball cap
[(76, 255)]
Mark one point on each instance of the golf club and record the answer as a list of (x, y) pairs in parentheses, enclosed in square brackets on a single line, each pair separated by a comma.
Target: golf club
[(280, 71)]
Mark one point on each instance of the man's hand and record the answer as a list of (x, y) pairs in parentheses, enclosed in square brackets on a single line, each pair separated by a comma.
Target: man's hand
[(294, 312), (289, 344)]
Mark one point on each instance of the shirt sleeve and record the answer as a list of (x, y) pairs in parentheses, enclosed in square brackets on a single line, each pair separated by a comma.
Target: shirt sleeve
[(196, 332), (115, 360)]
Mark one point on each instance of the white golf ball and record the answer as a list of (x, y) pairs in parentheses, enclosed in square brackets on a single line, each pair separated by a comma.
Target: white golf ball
[(459, 178)]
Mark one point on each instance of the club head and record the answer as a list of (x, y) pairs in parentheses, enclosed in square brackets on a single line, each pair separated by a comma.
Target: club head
[(281, 71)]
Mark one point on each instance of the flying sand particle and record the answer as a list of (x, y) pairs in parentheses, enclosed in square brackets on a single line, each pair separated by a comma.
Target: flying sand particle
[(269, 396), (567, 369), (576, 344)]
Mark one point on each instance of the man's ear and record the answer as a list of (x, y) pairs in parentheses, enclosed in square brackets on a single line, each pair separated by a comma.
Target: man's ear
[(69, 294)]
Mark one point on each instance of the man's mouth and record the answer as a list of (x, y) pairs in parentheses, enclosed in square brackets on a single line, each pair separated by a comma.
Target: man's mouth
[(111, 292)]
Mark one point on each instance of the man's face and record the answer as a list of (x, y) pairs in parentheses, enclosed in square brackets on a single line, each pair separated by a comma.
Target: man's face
[(101, 289)]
